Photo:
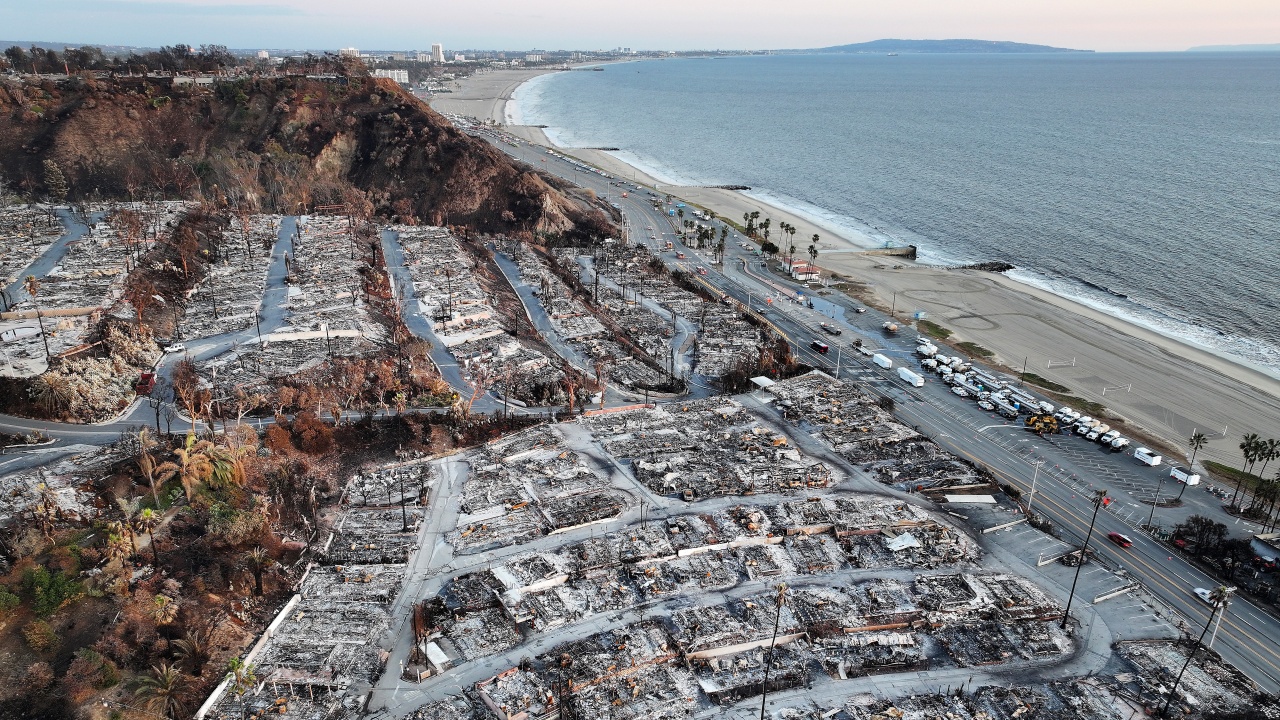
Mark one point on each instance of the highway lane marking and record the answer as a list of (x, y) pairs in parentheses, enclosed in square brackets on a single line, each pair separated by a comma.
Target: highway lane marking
[(1240, 636)]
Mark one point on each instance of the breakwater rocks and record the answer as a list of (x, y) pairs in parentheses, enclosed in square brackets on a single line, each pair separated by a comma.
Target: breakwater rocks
[(995, 267), (731, 187)]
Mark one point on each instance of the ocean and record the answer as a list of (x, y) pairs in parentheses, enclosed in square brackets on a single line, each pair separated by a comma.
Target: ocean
[(1144, 185)]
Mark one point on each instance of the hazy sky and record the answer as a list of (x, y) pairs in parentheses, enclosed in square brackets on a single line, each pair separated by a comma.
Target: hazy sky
[(648, 24)]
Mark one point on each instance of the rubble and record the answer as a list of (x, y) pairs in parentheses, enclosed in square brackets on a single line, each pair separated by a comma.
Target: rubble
[(323, 646), (86, 284), (227, 298), (449, 284), (515, 496), (25, 234), (707, 448), (852, 422)]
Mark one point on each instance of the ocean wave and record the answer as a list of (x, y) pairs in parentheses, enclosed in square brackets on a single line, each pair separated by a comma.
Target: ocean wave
[(1250, 352), (527, 100)]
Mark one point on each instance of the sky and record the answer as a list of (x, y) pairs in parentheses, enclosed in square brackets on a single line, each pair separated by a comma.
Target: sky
[(1103, 25)]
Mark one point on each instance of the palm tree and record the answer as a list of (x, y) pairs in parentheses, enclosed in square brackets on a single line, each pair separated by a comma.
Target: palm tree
[(148, 520), (32, 286), (193, 648), (153, 472), (1249, 449), (164, 691), (258, 560), (813, 253), (129, 508), (195, 464), (1195, 442), (1270, 450)]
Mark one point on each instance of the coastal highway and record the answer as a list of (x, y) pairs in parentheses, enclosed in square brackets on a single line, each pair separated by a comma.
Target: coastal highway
[(1070, 468)]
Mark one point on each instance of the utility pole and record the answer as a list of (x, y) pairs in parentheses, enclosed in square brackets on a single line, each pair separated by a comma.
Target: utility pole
[(1032, 497), (1226, 600), (1152, 514), (1099, 500), (1220, 594), (768, 661)]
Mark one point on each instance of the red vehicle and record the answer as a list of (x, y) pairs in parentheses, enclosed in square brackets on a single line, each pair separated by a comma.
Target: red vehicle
[(145, 384), (1121, 540)]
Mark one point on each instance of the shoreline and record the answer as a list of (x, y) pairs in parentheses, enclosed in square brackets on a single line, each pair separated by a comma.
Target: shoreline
[(1165, 385)]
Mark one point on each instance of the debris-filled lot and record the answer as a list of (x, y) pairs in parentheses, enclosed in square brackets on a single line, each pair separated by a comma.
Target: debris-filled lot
[(865, 434), (459, 295)]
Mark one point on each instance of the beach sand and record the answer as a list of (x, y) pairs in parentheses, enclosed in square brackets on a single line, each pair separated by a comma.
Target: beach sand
[(1166, 387)]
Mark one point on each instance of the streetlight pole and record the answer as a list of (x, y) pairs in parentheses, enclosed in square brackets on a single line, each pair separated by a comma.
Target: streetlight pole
[(1099, 498)]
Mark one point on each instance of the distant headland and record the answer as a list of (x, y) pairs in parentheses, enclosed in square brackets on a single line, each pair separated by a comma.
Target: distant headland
[(943, 46)]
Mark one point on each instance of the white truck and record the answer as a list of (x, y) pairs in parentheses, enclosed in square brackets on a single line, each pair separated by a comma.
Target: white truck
[(927, 350), (882, 361), (1184, 475), (1146, 457), (915, 379), (1003, 407)]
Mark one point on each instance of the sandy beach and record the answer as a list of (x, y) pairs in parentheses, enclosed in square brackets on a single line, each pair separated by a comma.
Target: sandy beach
[(1167, 387)]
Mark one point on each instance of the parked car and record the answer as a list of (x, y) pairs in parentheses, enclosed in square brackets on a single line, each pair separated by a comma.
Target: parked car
[(176, 348), (960, 391), (1119, 539)]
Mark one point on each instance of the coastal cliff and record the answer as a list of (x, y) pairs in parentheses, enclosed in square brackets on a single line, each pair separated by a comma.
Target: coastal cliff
[(272, 144)]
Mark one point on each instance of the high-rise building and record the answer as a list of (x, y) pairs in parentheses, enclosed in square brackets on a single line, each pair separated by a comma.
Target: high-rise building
[(437, 52), (349, 52), (264, 55)]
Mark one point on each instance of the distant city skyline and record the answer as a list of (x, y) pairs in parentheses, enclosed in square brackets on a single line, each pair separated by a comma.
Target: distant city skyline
[(1103, 25)]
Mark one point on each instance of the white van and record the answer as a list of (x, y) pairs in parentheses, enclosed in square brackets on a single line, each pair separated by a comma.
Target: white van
[(1146, 457), (1184, 475)]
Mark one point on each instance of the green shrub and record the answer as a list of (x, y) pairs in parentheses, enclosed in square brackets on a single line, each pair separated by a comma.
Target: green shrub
[(49, 591), (8, 601), (975, 349), (1045, 383), (933, 329)]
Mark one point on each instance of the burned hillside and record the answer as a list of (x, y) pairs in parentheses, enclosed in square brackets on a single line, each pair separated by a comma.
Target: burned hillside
[(271, 144)]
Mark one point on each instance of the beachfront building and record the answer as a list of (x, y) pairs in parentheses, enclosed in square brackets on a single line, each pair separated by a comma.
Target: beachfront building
[(400, 76), (802, 270), (437, 52)]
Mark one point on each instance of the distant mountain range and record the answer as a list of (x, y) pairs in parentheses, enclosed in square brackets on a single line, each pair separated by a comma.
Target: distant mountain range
[(943, 46), (1275, 47)]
